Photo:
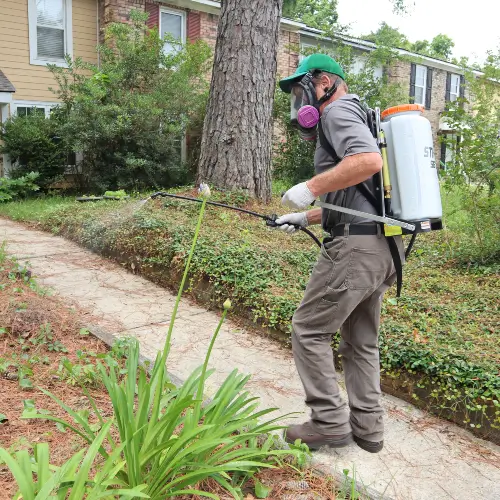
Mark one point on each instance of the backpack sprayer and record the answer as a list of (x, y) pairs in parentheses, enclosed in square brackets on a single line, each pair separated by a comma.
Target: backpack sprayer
[(407, 189)]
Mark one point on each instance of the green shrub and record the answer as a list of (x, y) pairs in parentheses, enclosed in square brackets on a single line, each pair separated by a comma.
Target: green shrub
[(11, 189), (33, 144), (472, 216), (128, 115), (472, 176)]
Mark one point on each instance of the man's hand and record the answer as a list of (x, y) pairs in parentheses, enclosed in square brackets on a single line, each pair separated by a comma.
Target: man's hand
[(289, 222), (298, 197)]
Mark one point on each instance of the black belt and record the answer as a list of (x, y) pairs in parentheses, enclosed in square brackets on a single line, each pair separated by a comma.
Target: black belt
[(355, 229)]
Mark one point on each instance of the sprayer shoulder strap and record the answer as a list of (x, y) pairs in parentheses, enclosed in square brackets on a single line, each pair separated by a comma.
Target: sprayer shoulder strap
[(325, 144)]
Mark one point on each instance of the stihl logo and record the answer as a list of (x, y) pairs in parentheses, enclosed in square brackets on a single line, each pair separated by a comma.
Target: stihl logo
[(429, 153)]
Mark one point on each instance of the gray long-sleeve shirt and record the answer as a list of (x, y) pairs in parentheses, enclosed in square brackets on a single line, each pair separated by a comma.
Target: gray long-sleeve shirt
[(344, 125)]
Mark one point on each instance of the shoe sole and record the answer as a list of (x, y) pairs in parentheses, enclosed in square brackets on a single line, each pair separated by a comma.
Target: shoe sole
[(331, 443), (367, 446)]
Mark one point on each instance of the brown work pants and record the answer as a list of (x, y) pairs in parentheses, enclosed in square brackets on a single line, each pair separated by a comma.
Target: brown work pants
[(345, 291)]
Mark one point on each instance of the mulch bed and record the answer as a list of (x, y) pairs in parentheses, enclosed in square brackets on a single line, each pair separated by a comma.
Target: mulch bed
[(24, 309)]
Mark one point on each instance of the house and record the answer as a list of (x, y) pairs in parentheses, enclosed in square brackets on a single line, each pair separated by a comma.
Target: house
[(34, 33)]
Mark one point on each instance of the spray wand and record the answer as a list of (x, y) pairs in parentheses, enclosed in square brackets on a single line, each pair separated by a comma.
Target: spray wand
[(270, 219)]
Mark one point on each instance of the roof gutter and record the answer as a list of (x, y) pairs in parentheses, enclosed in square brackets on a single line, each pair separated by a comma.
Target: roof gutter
[(370, 46), (213, 7)]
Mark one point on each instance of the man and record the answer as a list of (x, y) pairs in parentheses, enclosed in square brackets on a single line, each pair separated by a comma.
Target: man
[(354, 268)]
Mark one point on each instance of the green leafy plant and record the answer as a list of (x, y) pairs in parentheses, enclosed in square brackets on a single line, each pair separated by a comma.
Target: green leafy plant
[(120, 194), (12, 189), (472, 174), (45, 337), (34, 145), (37, 479), (126, 115)]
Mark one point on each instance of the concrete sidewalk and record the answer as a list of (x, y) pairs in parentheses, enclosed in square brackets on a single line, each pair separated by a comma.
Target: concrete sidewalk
[(424, 458)]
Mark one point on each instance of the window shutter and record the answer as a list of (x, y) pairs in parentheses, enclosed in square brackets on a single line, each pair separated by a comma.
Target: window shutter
[(443, 155), (413, 75), (193, 26), (462, 86), (154, 15), (448, 87), (428, 92)]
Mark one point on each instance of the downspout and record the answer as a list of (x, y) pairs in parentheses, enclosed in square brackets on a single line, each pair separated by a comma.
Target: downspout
[(98, 41)]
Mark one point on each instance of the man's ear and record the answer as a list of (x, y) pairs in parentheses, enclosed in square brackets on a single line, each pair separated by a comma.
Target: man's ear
[(326, 82)]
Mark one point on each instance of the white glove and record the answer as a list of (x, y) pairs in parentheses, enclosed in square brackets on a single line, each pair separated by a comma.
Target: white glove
[(289, 221), (298, 197)]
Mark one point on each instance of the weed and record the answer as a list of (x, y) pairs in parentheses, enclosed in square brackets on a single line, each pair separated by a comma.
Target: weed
[(45, 338)]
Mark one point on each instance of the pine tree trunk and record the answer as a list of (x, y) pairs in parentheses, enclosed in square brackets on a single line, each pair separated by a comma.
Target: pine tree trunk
[(237, 133)]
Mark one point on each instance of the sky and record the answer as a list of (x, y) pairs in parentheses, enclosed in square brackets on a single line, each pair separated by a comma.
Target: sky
[(473, 25)]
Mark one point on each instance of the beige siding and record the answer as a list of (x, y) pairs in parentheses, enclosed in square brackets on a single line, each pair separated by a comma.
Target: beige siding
[(32, 82)]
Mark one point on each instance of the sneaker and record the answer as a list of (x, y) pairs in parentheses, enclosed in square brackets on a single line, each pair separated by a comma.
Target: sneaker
[(308, 435), (369, 446)]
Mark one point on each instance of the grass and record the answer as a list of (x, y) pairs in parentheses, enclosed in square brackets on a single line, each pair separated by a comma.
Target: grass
[(446, 325)]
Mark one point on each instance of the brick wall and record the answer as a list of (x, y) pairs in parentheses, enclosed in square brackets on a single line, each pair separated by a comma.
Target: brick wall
[(208, 28), (399, 72), (118, 10), (288, 52), (438, 102), (200, 25)]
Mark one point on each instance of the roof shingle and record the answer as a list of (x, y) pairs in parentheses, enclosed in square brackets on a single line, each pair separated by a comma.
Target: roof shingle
[(5, 85)]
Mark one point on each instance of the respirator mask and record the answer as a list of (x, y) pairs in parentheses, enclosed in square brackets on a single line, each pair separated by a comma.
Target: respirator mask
[(304, 110)]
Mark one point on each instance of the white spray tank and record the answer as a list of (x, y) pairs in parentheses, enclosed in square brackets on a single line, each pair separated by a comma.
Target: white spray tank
[(412, 166)]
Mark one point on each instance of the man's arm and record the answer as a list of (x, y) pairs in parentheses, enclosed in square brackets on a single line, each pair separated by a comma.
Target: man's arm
[(350, 171), (314, 216)]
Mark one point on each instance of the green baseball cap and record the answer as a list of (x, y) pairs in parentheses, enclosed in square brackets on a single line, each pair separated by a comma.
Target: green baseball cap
[(310, 63)]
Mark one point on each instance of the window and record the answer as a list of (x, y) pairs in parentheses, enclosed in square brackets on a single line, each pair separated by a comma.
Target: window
[(50, 31), (306, 49), (420, 84), (173, 24), (454, 87), (27, 108), (449, 149)]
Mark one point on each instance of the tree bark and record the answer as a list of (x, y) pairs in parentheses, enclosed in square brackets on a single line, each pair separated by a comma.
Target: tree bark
[(237, 132)]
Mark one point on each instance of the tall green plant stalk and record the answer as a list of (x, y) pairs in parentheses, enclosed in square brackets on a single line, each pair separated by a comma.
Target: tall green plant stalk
[(201, 384), (166, 348)]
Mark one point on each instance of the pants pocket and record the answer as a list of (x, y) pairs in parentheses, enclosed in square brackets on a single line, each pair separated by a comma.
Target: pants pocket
[(322, 316), (332, 253), (366, 269)]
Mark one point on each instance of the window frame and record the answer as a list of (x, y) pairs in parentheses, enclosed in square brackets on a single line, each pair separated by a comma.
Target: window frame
[(182, 15), (305, 45), (457, 94), (46, 106), (68, 35), (424, 87)]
